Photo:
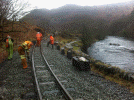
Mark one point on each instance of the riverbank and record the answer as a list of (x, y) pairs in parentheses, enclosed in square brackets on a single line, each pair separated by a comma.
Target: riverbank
[(99, 67), (109, 72)]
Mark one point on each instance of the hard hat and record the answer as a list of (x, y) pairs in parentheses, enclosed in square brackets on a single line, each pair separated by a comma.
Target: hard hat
[(38, 32), (8, 36)]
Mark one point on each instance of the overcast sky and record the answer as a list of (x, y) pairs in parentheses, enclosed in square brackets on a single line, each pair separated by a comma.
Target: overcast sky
[(51, 4)]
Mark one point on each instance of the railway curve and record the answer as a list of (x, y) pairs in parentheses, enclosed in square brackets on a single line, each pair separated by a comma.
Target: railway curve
[(16, 83)]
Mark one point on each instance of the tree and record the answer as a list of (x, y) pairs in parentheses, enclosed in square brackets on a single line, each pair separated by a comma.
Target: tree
[(87, 38), (11, 10), (132, 15)]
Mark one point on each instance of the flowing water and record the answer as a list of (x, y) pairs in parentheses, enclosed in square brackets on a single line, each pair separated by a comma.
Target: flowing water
[(115, 51)]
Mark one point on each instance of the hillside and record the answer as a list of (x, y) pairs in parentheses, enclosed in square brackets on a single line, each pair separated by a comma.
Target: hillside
[(21, 32), (115, 11), (100, 21), (55, 18)]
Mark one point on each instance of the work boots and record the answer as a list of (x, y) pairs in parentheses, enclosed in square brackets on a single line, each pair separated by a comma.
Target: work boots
[(24, 63)]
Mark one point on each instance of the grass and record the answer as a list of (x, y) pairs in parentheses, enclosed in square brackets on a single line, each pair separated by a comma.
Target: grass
[(77, 45), (115, 78), (75, 48), (63, 41)]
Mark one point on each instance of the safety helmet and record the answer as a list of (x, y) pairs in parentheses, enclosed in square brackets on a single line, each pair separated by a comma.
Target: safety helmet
[(8, 36)]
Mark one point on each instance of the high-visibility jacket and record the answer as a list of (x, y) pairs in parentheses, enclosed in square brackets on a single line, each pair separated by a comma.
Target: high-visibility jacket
[(51, 40), (9, 48), (26, 44), (9, 42), (39, 36)]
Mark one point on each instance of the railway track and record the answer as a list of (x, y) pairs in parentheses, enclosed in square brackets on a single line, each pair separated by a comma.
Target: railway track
[(48, 85), (17, 83), (74, 85)]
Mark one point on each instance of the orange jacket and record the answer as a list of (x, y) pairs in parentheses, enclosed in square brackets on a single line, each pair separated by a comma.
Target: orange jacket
[(27, 44), (7, 44), (51, 40), (39, 36)]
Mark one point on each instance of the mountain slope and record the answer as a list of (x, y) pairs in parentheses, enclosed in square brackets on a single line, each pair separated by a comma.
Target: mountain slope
[(70, 17)]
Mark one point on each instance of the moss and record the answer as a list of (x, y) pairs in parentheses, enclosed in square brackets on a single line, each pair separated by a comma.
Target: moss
[(75, 48), (78, 43)]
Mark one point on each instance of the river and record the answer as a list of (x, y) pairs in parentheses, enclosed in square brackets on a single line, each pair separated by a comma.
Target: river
[(116, 51)]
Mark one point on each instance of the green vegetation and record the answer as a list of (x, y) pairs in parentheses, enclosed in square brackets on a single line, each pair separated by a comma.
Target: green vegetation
[(125, 34), (123, 27), (66, 35), (77, 45), (86, 38), (115, 78), (62, 41)]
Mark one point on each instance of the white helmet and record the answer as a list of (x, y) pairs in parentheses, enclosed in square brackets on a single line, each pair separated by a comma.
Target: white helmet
[(8, 36)]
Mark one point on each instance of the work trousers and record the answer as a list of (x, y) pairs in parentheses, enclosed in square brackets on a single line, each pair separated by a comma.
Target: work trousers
[(10, 51), (21, 52), (38, 42), (49, 43)]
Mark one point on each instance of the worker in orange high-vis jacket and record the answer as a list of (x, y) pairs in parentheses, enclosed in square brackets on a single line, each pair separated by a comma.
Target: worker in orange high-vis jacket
[(39, 38), (51, 41), (21, 50)]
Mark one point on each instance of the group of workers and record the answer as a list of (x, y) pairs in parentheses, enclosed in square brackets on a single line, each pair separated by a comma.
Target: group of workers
[(23, 49)]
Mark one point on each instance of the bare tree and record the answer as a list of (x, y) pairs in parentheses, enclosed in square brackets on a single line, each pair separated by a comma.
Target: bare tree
[(12, 10)]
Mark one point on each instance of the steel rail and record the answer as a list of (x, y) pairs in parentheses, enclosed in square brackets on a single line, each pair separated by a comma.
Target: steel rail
[(35, 77), (64, 91)]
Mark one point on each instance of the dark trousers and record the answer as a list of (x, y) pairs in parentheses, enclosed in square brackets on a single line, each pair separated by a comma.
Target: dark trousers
[(49, 43)]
